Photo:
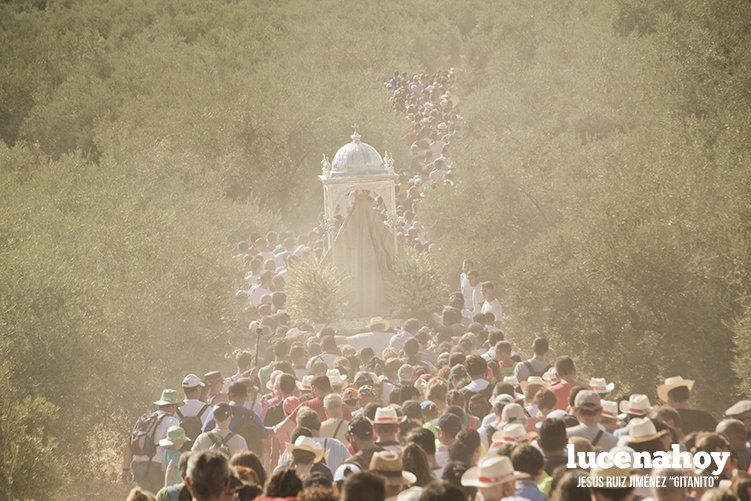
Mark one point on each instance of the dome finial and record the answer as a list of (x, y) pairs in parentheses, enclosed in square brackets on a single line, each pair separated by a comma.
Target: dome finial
[(355, 136)]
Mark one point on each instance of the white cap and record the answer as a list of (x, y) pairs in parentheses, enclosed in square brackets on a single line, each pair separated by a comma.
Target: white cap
[(191, 381)]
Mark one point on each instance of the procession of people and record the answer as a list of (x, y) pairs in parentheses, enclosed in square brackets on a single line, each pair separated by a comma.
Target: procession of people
[(434, 409)]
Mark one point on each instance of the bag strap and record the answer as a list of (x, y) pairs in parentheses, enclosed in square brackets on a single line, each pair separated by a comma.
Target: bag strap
[(203, 409), (336, 431), (597, 438), (180, 414), (150, 434)]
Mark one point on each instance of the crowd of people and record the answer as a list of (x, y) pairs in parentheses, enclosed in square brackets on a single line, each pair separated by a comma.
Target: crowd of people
[(444, 408)]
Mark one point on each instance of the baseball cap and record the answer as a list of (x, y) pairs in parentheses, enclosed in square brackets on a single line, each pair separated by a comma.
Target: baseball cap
[(345, 470), (222, 411), (191, 381), (587, 399), (451, 424)]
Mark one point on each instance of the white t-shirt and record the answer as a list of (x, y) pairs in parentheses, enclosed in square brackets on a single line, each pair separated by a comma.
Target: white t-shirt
[(478, 300), (256, 293), (493, 307), (379, 341), (193, 406), (235, 444)]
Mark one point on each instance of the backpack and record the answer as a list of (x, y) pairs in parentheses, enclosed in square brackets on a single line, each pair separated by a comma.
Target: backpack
[(192, 426), (244, 425), (533, 372), (274, 415), (142, 436), (220, 444)]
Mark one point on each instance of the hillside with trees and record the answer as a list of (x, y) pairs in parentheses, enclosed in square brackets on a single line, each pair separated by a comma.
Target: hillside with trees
[(602, 181)]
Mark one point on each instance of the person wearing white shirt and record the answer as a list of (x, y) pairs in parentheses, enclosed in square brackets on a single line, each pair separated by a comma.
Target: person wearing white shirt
[(377, 338), (256, 293), (409, 330), (147, 470), (491, 304), (221, 436), (467, 265), (336, 452)]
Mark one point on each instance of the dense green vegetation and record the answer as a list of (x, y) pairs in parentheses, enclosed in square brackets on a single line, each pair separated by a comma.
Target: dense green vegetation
[(603, 183)]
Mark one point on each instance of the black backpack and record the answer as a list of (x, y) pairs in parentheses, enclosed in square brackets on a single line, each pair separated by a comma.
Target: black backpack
[(245, 426), (274, 415), (192, 426), (142, 436)]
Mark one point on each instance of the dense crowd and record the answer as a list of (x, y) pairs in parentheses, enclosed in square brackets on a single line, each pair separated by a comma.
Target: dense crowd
[(440, 409), (446, 409)]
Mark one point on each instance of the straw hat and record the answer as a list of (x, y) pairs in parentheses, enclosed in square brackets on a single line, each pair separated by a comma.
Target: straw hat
[(609, 409), (637, 405), (169, 397), (306, 444), (376, 321), (175, 436), (335, 377), (642, 430), (534, 380), (672, 383), (491, 471), (600, 385), (385, 415), (389, 465), (510, 434), (306, 382), (739, 408)]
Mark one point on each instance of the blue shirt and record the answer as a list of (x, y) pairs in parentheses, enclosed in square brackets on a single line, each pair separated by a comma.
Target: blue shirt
[(237, 410), (527, 489)]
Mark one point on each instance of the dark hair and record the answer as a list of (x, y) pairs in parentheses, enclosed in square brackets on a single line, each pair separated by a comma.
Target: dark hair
[(565, 485), (553, 435), (467, 442), (665, 413), (680, 394), (572, 395), (317, 492), (298, 432), (452, 473), (476, 366), (281, 348), (250, 460), (424, 438), (208, 473), (308, 418), (321, 383), (440, 490), (527, 459), (415, 460), (564, 366), (302, 457), (287, 383), (540, 346), (284, 484), (365, 486), (546, 399)]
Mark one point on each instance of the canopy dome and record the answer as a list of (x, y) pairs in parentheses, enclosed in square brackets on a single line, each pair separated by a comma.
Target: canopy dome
[(357, 157)]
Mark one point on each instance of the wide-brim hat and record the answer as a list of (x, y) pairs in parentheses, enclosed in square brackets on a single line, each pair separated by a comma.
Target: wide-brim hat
[(307, 444), (389, 465), (670, 384), (533, 380), (306, 382), (175, 436), (642, 430), (601, 386), (379, 321), (491, 471), (636, 405), (169, 397)]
